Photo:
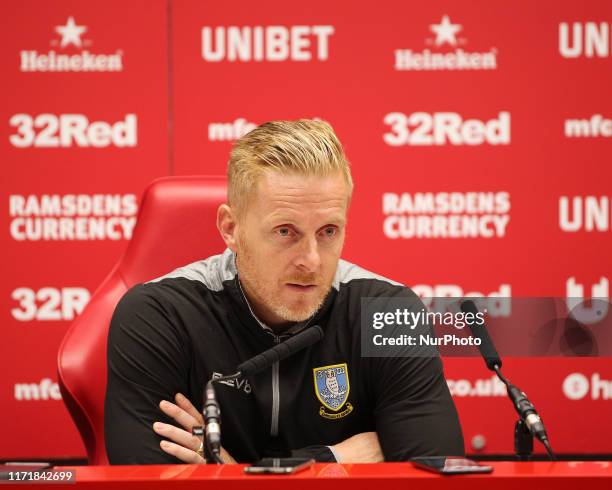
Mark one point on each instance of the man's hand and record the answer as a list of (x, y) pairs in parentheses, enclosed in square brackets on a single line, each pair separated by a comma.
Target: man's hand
[(184, 445), (360, 448)]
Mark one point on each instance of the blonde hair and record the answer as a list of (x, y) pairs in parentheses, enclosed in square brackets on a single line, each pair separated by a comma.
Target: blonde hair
[(305, 146)]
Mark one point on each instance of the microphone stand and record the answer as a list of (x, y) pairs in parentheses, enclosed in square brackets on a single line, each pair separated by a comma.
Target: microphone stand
[(211, 413), (523, 438), (529, 422)]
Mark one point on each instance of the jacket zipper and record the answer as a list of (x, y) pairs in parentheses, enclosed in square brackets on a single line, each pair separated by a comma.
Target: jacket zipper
[(275, 368), (276, 387), (275, 394)]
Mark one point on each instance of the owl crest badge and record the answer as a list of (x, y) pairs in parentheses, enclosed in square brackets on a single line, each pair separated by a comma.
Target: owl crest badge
[(332, 388)]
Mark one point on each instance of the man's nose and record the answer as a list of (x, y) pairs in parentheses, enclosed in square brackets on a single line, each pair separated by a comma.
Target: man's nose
[(309, 257)]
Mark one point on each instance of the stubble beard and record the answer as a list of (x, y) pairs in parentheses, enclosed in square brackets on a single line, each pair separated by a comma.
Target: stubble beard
[(263, 293)]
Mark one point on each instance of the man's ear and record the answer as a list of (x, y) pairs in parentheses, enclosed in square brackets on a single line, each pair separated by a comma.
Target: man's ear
[(227, 226)]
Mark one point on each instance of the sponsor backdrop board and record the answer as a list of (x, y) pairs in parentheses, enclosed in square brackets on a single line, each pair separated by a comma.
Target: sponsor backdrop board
[(84, 111), (479, 134)]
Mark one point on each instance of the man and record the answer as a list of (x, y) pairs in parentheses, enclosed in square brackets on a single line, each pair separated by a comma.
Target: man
[(289, 189)]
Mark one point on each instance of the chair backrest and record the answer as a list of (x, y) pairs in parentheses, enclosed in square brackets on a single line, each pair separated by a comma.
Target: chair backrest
[(176, 226)]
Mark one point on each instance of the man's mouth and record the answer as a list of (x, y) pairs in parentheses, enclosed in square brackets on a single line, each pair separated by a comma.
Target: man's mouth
[(303, 288)]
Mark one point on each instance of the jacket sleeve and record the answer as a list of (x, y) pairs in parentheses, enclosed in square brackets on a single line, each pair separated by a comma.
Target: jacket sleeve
[(321, 454), (147, 363), (414, 412)]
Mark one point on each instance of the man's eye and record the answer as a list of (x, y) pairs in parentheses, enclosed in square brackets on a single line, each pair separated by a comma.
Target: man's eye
[(284, 231), (330, 232)]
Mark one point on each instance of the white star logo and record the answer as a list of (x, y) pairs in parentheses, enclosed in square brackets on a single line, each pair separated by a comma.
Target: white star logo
[(445, 31), (71, 33)]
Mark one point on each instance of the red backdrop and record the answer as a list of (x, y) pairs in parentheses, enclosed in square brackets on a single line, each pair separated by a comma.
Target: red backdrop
[(479, 135)]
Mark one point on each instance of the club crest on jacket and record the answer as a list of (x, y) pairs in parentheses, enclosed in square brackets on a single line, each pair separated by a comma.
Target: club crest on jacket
[(332, 388)]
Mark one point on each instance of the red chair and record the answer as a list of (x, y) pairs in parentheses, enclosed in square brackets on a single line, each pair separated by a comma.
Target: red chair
[(176, 226)]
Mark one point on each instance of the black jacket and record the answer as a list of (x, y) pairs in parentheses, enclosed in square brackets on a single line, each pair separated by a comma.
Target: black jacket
[(173, 334)]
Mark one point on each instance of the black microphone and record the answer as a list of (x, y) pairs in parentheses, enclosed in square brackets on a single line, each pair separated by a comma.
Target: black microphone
[(212, 421), (524, 408), (211, 409), (486, 347), (281, 351)]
